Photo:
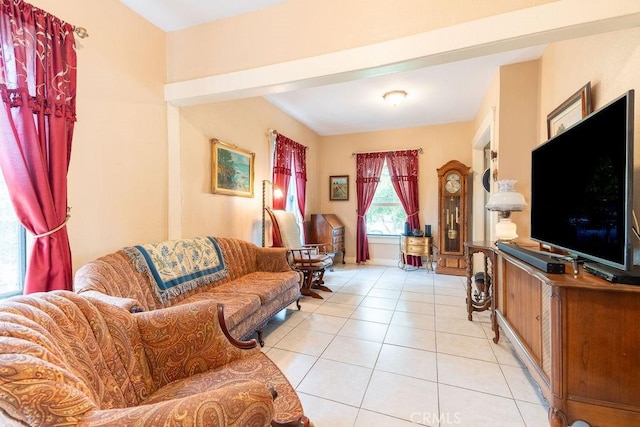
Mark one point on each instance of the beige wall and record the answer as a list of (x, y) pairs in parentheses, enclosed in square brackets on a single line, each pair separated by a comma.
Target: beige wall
[(118, 171), (440, 144), (518, 131), (486, 124), (304, 28), (610, 61), (118, 174), (243, 123)]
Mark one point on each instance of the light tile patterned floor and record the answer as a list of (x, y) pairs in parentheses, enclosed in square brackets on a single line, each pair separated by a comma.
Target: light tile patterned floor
[(394, 348)]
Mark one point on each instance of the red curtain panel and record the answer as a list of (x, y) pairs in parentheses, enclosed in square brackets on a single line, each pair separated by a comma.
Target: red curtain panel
[(38, 89)]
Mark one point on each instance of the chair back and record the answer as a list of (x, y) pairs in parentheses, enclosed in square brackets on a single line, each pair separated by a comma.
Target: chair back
[(286, 224)]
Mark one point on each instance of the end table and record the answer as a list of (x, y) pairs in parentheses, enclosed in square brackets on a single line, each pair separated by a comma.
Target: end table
[(482, 298)]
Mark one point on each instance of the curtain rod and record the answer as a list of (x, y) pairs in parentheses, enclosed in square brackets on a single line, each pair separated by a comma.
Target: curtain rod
[(276, 133), (420, 150)]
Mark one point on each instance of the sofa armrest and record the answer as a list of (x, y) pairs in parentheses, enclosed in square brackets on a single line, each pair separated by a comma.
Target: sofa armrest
[(130, 304), (272, 259), (239, 404), (187, 339)]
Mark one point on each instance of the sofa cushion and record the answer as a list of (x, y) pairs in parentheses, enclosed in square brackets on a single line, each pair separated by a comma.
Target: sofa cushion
[(237, 307), (257, 367), (265, 285)]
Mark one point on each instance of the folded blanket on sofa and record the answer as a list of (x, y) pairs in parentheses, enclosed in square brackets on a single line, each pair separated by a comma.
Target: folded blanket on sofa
[(177, 266)]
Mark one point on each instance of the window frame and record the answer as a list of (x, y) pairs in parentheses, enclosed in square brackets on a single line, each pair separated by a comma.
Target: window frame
[(385, 173), (21, 258)]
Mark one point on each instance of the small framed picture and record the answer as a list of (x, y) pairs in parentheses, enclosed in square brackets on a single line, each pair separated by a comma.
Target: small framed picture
[(570, 111), (339, 187), (231, 170)]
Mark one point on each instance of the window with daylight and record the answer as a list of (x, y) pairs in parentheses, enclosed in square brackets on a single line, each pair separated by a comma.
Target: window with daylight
[(386, 216), (13, 253), (292, 197)]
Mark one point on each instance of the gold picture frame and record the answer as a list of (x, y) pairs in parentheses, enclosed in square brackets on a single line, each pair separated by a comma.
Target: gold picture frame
[(232, 169), (570, 112), (339, 187)]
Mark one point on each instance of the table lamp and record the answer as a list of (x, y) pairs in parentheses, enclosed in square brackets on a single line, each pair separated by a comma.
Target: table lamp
[(505, 201)]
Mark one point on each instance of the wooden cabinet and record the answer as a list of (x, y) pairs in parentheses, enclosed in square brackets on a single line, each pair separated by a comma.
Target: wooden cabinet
[(328, 229), (522, 307), (577, 335), (453, 217)]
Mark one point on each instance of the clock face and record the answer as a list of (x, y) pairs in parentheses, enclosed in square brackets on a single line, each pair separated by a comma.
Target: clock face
[(452, 183)]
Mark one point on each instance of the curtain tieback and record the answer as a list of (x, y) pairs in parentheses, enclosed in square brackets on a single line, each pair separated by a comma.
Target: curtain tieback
[(50, 232), (412, 214)]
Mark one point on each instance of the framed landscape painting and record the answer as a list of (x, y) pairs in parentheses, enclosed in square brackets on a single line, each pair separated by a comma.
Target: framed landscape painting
[(339, 187), (231, 170)]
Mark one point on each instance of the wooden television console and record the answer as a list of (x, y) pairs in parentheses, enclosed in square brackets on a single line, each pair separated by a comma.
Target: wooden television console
[(579, 336)]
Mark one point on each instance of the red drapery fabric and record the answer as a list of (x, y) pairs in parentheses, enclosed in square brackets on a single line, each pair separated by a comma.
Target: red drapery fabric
[(403, 170), (300, 162), (287, 151), (282, 158), (368, 170), (38, 89)]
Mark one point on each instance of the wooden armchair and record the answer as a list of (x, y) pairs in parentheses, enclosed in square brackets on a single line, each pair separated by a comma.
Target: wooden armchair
[(310, 259)]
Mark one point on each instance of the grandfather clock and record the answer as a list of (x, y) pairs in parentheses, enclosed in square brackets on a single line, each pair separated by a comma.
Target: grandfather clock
[(453, 217)]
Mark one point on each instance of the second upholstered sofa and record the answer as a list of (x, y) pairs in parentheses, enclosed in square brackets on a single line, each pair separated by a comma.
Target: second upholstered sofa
[(69, 360), (253, 284)]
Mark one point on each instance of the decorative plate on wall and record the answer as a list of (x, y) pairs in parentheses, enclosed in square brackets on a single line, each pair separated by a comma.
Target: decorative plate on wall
[(486, 175)]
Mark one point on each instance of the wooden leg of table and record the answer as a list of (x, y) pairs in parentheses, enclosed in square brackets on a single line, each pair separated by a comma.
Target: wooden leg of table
[(318, 284), (306, 286)]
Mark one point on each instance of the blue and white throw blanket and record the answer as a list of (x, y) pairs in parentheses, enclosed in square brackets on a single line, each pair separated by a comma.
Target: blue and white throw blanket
[(177, 266)]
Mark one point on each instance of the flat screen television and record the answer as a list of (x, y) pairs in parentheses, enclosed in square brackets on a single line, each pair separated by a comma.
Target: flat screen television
[(582, 187)]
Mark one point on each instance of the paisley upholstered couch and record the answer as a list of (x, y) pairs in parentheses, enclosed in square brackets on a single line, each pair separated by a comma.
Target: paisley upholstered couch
[(257, 284), (69, 360)]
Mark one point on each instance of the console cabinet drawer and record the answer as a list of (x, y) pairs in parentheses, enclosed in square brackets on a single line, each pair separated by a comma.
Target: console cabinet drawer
[(416, 246)]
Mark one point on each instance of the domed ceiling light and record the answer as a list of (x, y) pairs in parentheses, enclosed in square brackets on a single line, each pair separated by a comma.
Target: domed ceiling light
[(394, 97)]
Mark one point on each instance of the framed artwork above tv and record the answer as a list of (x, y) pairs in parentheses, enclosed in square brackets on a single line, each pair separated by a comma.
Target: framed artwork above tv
[(571, 111)]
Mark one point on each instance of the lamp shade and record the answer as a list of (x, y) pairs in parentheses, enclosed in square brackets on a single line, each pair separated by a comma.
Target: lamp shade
[(506, 199)]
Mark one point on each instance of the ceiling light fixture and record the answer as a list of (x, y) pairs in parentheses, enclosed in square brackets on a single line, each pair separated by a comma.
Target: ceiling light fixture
[(394, 97)]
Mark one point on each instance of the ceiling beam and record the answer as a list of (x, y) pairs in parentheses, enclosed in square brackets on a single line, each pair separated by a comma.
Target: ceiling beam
[(523, 28)]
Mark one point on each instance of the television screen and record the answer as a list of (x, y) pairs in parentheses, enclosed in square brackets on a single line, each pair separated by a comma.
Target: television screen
[(581, 186)]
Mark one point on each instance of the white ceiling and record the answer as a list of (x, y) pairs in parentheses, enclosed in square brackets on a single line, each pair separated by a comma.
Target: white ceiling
[(446, 93), (172, 15)]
